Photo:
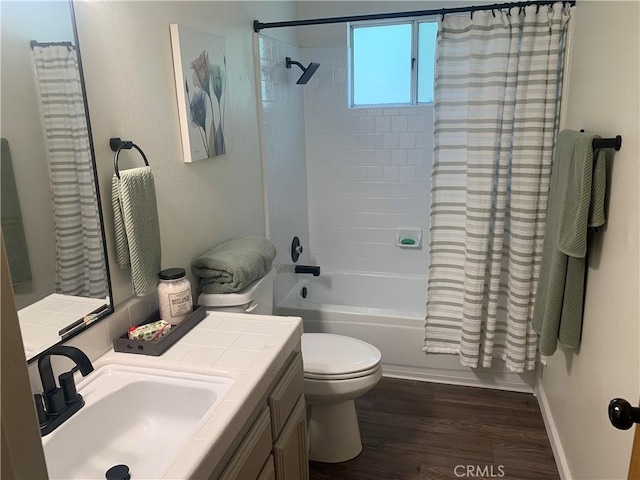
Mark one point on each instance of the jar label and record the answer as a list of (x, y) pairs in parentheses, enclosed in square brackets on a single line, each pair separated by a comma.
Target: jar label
[(180, 303)]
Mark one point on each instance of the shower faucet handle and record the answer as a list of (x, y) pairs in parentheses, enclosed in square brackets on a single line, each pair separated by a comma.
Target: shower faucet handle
[(296, 249)]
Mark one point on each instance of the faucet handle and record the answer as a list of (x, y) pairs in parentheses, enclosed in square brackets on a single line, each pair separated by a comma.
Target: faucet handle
[(42, 415), (68, 386), (54, 401)]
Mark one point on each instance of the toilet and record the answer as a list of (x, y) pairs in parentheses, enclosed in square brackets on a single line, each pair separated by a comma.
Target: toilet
[(337, 370)]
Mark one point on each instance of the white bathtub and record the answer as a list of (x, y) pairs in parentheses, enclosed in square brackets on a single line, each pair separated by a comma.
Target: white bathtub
[(387, 311)]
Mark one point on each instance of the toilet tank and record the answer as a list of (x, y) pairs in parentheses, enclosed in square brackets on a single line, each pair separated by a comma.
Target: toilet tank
[(256, 298)]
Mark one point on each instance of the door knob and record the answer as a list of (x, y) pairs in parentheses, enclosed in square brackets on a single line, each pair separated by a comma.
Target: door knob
[(622, 415)]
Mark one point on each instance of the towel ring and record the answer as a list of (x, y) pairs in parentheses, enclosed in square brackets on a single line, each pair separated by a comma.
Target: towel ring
[(117, 144)]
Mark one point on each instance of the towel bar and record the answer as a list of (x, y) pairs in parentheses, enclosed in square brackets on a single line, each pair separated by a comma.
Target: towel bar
[(615, 143), (117, 144)]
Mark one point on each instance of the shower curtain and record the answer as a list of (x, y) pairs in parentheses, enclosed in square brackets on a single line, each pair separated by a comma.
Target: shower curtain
[(497, 89), (80, 262)]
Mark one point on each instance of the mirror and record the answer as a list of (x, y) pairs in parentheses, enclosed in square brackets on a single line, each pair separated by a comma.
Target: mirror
[(51, 214)]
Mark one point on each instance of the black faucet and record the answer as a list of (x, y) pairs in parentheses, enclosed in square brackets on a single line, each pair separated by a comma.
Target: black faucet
[(60, 403), (313, 270)]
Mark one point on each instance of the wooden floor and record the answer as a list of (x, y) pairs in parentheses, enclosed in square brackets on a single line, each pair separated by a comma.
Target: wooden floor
[(418, 430)]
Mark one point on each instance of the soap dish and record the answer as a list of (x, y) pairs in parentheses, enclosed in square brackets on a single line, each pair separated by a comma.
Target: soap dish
[(157, 347), (408, 237)]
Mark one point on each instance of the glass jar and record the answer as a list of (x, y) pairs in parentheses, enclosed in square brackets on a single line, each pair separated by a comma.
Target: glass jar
[(174, 295)]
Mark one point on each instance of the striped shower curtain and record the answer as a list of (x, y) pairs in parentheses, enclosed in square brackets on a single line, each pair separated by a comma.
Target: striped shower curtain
[(80, 262), (498, 84)]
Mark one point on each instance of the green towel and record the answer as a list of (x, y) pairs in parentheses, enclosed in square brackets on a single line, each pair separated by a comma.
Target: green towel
[(137, 230), (576, 201), (583, 197), (15, 240), (232, 266)]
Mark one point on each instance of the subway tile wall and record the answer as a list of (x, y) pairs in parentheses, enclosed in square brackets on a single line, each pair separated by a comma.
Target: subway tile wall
[(283, 152), (368, 172)]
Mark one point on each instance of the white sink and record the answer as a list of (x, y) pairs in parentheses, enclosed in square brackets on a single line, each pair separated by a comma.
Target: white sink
[(139, 417)]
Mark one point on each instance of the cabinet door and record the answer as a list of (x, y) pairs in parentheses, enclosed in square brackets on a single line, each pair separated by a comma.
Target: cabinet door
[(290, 451), (268, 471), (253, 452), (284, 397)]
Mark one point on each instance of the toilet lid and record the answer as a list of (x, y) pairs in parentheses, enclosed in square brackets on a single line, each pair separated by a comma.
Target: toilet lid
[(328, 354)]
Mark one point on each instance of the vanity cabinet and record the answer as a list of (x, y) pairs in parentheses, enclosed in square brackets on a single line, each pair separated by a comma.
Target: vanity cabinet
[(268, 471), (249, 458), (274, 446), (290, 450)]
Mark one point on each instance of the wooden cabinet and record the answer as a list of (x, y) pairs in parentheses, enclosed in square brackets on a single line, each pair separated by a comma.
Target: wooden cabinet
[(248, 460), (268, 471), (286, 394), (290, 450), (275, 445)]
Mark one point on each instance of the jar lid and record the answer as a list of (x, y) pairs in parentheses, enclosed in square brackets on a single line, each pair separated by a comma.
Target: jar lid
[(172, 274)]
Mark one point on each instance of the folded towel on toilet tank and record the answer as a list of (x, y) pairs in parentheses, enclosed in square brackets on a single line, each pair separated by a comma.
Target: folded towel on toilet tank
[(233, 265)]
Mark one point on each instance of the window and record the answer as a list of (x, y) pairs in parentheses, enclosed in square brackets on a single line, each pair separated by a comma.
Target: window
[(392, 63)]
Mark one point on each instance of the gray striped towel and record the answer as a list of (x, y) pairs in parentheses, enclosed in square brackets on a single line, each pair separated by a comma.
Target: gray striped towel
[(137, 229)]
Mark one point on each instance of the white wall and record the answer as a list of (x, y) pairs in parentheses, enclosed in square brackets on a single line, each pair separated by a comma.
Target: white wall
[(368, 171), (21, 126), (603, 97), (127, 59), (283, 147), (126, 55)]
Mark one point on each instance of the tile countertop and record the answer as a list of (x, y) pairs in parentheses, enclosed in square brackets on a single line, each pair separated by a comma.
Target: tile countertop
[(250, 349), (41, 321)]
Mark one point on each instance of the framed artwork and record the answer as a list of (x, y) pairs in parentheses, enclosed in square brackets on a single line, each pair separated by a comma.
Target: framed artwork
[(200, 67)]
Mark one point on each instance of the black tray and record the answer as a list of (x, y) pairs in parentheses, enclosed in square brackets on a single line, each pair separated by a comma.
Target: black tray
[(157, 347)]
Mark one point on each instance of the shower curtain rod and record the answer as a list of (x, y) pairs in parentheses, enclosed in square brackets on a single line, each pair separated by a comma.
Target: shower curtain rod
[(257, 25)]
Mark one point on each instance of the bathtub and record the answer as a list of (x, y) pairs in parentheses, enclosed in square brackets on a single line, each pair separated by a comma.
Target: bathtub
[(387, 311)]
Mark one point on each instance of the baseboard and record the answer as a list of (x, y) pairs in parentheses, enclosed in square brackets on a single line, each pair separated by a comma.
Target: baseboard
[(552, 433), (406, 373)]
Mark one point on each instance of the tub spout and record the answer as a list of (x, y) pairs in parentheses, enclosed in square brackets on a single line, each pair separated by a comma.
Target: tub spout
[(313, 270)]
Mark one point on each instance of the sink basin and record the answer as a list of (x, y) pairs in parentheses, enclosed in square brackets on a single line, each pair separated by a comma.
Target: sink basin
[(139, 417)]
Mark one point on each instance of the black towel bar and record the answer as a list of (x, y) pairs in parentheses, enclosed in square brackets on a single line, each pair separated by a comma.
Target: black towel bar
[(118, 144), (615, 143)]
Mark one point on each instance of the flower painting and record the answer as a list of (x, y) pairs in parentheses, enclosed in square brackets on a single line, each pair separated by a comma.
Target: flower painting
[(200, 67)]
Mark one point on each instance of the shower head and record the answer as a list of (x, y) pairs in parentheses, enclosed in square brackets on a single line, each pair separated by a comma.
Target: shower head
[(307, 72)]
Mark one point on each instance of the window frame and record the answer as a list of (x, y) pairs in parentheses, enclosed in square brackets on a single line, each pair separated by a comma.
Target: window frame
[(413, 95)]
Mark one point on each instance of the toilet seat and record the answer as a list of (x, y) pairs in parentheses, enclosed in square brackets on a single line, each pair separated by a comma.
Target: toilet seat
[(336, 357), (343, 376)]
